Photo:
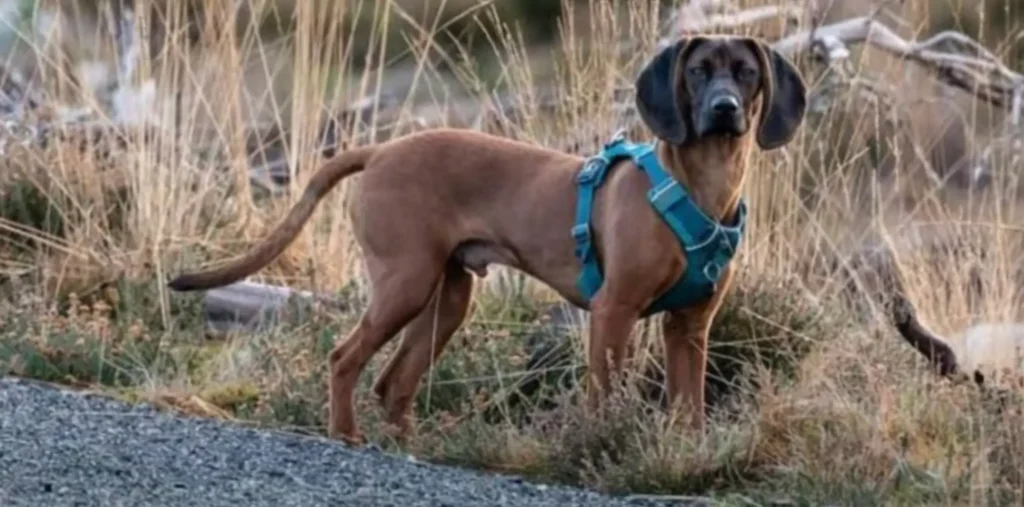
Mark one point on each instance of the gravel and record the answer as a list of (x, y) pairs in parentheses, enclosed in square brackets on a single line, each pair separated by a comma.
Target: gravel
[(60, 447)]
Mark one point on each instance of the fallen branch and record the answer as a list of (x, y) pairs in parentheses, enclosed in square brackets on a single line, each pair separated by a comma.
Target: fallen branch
[(252, 307), (956, 59), (726, 22)]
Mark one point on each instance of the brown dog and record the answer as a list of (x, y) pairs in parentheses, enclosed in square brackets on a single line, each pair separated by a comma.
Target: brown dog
[(433, 206)]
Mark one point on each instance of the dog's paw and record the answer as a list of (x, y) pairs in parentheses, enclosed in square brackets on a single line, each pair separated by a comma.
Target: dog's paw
[(350, 438)]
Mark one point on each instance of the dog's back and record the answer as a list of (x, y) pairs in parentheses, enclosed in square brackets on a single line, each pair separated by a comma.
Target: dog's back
[(477, 160)]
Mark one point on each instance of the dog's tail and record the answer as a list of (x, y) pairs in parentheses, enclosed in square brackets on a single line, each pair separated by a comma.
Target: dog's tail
[(336, 169), (934, 348)]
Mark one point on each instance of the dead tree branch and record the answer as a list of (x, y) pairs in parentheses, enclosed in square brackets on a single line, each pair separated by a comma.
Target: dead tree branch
[(956, 60), (249, 306)]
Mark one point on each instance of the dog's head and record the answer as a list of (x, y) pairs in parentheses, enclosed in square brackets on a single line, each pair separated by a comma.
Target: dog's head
[(711, 86)]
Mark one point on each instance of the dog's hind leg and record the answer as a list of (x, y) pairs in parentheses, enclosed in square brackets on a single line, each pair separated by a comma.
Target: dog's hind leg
[(400, 289), (425, 337)]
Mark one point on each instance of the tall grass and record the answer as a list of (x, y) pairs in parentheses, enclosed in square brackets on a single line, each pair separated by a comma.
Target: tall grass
[(87, 237)]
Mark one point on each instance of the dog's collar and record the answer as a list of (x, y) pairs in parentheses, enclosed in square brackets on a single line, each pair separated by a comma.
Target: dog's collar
[(709, 245)]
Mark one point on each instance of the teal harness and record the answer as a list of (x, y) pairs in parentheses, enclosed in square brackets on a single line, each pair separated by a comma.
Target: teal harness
[(709, 245)]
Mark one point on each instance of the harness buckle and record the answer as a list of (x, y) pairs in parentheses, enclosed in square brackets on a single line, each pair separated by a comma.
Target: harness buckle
[(590, 170), (665, 195), (581, 233)]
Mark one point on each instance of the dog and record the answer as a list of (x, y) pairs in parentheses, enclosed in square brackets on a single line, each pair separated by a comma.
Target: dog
[(435, 207)]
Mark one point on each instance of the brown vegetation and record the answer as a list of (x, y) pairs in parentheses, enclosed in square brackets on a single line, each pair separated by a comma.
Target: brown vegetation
[(827, 404)]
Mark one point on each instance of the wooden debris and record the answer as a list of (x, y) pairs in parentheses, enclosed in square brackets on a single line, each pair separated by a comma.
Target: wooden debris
[(252, 307)]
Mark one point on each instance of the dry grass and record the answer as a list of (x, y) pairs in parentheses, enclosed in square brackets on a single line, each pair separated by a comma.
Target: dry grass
[(846, 414)]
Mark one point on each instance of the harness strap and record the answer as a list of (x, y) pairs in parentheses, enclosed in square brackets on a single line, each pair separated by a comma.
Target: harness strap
[(699, 234), (589, 178), (708, 245), (701, 281)]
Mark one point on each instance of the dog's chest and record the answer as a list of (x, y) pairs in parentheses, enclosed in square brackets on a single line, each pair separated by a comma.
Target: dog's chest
[(705, 245)]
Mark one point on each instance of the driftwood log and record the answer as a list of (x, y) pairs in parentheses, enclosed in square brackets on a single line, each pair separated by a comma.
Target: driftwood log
[(252, 307)]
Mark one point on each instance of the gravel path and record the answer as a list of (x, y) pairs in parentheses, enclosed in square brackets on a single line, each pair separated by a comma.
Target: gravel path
[(63, 448)]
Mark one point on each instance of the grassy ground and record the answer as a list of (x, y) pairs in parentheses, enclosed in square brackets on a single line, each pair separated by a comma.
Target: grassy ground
[(815, 402)]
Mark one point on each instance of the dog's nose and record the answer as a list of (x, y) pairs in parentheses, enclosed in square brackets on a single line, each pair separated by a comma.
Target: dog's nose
[(725, 104)]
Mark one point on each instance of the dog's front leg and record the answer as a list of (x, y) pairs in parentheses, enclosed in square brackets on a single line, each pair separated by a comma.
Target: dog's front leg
[(685, 334), (686, 340), (611, 324)]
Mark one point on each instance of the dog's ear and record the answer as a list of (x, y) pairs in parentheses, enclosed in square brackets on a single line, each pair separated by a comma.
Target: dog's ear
[(657, 93), (783, 98)]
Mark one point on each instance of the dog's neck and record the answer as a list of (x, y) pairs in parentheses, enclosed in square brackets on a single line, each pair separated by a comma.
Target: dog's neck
[(712, 170)]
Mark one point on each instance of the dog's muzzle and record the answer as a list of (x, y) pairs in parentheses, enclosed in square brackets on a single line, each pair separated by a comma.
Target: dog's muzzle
[(723, 114)]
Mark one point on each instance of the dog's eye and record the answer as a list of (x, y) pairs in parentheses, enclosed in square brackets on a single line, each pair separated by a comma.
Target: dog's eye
[(746, 74), (696, 74)]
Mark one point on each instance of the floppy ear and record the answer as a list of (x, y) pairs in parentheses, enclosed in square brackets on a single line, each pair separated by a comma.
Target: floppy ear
[(657, 94), (783, 98)]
